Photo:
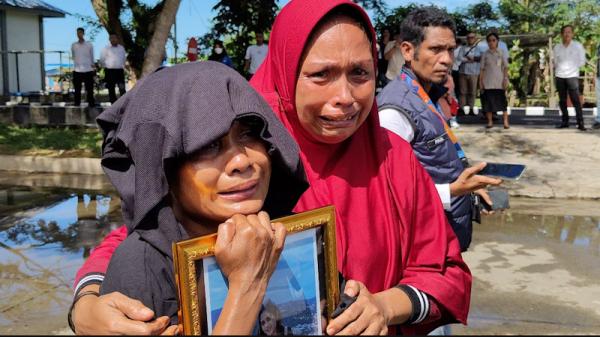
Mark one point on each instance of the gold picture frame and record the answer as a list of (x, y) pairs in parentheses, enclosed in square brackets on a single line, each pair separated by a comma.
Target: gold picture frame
[(194, 265)]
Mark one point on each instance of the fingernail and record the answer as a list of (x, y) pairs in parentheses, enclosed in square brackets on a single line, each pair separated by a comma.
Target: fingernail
[(330, 331)]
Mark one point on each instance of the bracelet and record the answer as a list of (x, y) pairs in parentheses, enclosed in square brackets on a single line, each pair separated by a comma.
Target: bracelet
[(77, 297), (419, 301)]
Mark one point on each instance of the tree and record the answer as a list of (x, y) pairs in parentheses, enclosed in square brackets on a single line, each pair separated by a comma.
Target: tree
[(392, 18), (480, 16), (237, 19), (378, 7), (145, 33)]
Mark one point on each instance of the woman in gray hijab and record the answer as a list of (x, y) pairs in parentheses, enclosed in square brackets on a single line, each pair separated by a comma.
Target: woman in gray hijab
[(193, 150)]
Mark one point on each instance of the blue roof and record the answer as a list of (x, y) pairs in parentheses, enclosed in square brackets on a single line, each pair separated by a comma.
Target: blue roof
[(34, 5)]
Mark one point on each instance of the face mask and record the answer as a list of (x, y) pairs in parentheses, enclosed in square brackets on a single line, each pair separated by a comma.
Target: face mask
[(218, 50)]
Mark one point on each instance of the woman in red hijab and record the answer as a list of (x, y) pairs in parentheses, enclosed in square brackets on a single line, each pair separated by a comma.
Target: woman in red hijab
[(394, 245), (319, 78)]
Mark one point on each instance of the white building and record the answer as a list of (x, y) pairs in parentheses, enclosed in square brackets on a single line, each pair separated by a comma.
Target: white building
[(21, 43)]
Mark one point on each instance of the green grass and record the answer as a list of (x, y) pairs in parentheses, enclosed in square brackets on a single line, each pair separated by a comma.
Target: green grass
[(50, 141)]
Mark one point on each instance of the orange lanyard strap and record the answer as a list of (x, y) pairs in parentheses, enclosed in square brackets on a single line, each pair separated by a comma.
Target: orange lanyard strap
[(418, 89)]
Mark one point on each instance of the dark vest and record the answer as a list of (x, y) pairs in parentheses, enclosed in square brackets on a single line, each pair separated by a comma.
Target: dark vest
[(433, 148)]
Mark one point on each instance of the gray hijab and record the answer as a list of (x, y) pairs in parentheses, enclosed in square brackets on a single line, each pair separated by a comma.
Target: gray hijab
[(172, 113)]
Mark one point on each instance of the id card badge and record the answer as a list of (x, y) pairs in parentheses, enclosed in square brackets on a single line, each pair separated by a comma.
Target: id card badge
[(499, 62)]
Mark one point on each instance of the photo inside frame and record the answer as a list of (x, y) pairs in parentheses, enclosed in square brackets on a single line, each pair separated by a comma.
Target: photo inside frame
[(302, 291), (296, 294)]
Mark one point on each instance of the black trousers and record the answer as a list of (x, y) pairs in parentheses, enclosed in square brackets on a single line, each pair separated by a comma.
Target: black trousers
[(456, 83), (569, 86), (114, 77), (88, 79)]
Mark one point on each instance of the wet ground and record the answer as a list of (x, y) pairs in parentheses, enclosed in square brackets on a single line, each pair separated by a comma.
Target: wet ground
[(45, 235), (536, 269), (536, 266)]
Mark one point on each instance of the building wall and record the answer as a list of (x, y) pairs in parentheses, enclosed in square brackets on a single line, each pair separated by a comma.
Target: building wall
[(23, 33), (3, 57)]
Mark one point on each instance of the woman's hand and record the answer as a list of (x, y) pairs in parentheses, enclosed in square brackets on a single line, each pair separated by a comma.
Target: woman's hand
[(248, 249), (116, 314), (366, 316)]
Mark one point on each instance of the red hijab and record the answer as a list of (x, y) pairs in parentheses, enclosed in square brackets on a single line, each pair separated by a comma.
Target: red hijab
[(388, 230)]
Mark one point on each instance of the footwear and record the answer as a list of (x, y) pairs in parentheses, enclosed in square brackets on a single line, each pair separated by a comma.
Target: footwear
[(454, 124), (489, 126), (506, 127), (562, 126), (581, 128), (596, 125)]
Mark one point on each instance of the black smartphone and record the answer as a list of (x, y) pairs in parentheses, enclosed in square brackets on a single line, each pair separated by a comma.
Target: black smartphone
[(345, 300), (499, 200), (504, 171)]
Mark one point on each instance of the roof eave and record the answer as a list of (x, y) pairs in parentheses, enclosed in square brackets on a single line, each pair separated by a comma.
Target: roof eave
[(42, 12)]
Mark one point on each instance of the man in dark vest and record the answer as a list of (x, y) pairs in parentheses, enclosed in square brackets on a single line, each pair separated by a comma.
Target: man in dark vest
[(408, 107)]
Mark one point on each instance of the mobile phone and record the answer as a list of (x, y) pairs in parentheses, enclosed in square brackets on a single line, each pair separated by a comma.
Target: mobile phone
[(499, 200), (504, 171), (345, 300)]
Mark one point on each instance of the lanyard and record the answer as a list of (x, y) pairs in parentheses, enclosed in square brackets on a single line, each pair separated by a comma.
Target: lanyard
[(418, 89)]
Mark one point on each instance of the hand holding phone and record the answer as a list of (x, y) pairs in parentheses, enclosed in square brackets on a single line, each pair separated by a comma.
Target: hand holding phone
[(503, 170), (345, 301)]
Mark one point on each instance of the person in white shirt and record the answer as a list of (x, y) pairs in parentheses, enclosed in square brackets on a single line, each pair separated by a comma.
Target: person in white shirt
[(113, 59), (569, 56), (255, 55), (83, 71), (469, 57)]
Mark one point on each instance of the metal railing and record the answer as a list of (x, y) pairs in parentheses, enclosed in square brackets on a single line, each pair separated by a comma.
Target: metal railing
[(17, 53)]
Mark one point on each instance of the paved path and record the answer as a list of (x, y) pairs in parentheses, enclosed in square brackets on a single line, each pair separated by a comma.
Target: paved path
[(535, 270), (561, 163)]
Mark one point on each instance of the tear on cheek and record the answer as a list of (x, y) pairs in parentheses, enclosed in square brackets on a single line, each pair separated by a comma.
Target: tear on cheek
[(203, 189)]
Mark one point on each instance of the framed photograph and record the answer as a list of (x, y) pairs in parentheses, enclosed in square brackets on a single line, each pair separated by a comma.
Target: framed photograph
[(303, 289)]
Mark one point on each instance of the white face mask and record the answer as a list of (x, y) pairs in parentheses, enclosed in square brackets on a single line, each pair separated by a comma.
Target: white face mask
[(218, 50)]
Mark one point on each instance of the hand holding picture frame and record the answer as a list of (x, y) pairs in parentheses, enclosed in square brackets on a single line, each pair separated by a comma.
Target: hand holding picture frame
[(303, 288)]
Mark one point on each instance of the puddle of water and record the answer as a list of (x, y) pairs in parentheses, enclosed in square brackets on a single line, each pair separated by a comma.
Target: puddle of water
[(580, 231), (45, 236), (535, 269)]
